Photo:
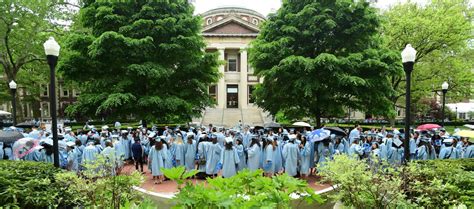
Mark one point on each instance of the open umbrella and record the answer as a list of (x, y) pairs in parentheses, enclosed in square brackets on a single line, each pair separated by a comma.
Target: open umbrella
[(336, 130), (465, 133), (319, 135), (26, 124), (272, 125), (428, 126), (3, 113), (301, 124), (10, 136)]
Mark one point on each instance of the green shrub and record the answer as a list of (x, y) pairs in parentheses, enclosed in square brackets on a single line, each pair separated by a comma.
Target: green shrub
[(25, 184), (29, 185), (429, 184), (244, 190), (441, 183)]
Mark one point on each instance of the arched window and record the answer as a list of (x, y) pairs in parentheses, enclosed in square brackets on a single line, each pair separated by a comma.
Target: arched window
[(209, 21)]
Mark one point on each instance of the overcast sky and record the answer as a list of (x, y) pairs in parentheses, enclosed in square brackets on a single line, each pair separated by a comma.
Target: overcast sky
[(265, 6)]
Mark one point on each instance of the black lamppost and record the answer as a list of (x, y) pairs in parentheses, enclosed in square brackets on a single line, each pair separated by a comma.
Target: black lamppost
[(408, 59), (51, 48), (13, 86), (444, 88)]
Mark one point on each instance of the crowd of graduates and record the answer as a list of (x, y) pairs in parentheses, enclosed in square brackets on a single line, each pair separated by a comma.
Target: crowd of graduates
[(218, 151)]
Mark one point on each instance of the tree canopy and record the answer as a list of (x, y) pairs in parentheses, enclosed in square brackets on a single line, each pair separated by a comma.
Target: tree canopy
[(440, 31), (140, 58), (318, 57)]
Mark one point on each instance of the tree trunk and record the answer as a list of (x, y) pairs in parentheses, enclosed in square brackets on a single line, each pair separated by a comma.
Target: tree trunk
[(318, 120)]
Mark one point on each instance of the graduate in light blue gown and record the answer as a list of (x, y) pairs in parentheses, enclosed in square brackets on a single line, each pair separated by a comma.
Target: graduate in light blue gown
[(179, 151), (119, 152), (469, 148), (156, 159), (290, 155), (90, 153), (254, 154), (413, 147), (229, 159), (34, 154), (246, 138), (339, 146), (110, 158), (269, 150), (2, 153), (305, 156), (325, 152), (277, 156), (449, 150), (72, 157), (398, 152), (126, 144), (190, 153), (355, 151), (239, 148), (425, 150), (202, 153), (213, 155), (168, 158), (47, 153)]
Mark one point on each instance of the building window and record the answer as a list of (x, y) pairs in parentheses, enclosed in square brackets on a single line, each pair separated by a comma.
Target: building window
[(213, 92), (232, 63), (251, 99), (44, 90), (462, 115), (209, 21), (45, 109), (255, 21), (64, 92), (76, 93)]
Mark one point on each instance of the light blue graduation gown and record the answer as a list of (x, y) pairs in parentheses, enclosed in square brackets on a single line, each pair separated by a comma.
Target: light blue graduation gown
[(355, 151), (202, 153), (254, 157), (179, 154), (119, 153), (246, 139), (449, 152), (290, 155), (1, 151), (229, 161), (47, 158), (110, 157), (268, 165), (469, 152), (213, 157), (398, 154), (278, 159), (125, 142), (8, 152), (412, 146), (167, 157), (240, 152), (325, 155), (73, 158), (33, 156), (156, 161), (189, 155), (220, 139), (305, 155), (90, 154)]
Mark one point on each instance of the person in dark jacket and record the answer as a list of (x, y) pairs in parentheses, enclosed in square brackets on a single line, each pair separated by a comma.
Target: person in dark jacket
[(137, 154)]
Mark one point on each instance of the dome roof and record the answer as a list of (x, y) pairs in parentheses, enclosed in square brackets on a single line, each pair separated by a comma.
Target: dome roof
[(232, 9)]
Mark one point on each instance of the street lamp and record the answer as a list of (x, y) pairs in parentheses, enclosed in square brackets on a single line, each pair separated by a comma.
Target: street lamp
[(51, 48), (444, 88), (13, 86), (408, 59)]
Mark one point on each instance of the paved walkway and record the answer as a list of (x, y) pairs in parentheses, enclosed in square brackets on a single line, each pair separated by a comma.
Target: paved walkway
[(170, 187)]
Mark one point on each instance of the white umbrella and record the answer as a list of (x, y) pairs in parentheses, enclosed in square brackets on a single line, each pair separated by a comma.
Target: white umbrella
[(3, 113), (302, 124)]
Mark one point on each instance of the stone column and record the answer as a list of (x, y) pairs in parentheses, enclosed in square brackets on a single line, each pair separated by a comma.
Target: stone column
[(243, 88), (221, 88)]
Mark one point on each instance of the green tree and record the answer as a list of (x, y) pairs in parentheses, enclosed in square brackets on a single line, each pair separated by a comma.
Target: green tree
[(440, 32), (318, 57), (140, 58), (24, 26)]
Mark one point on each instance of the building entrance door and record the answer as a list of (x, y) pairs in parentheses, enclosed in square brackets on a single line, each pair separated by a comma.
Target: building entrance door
[(232, 96)]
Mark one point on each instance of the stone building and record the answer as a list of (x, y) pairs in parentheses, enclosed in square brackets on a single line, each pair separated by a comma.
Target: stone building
[(229, 31)]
